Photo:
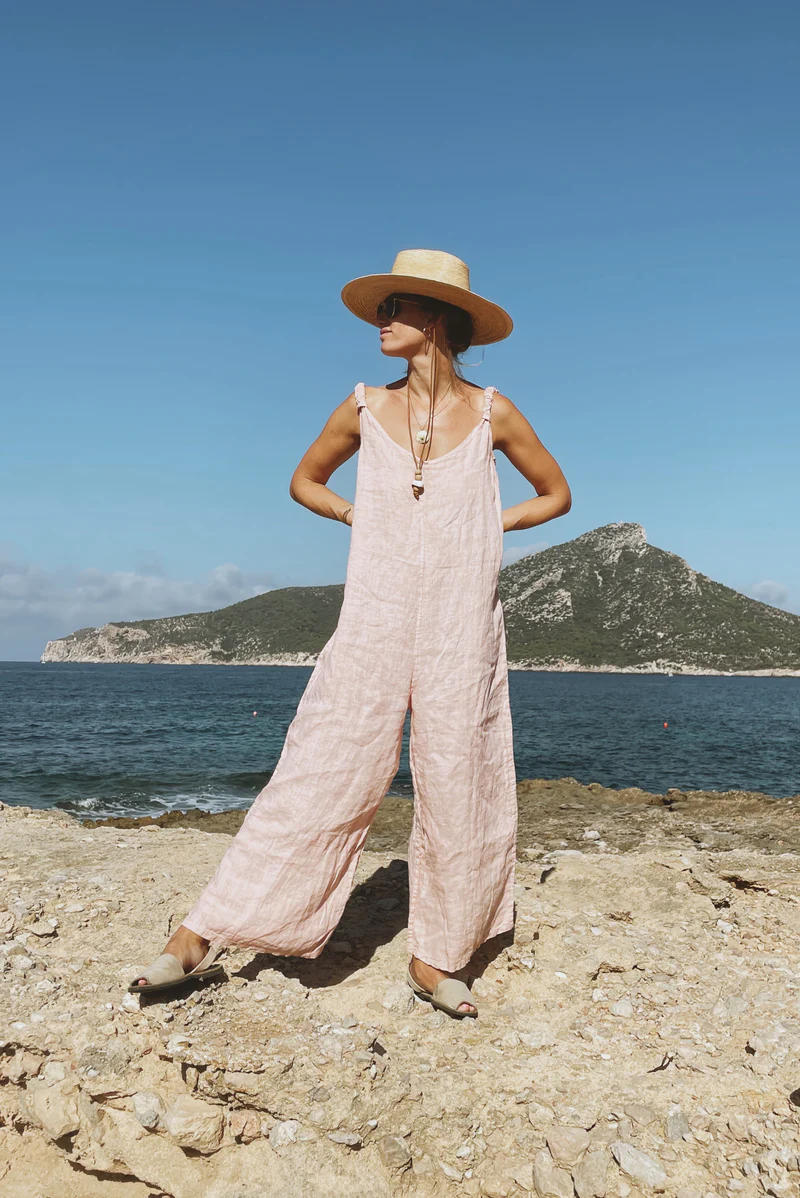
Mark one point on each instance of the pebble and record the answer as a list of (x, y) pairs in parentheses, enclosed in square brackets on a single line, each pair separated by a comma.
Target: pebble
[(399, 998), (536, 1038), (394, 1152), (348, 1138), (148, 1108), (284, 1133)]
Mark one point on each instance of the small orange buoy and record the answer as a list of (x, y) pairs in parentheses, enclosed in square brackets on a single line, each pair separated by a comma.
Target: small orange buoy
[(666, 725), (255, 713)]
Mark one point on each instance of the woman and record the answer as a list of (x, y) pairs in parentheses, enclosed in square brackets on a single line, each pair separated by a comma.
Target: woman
[(420, 629)]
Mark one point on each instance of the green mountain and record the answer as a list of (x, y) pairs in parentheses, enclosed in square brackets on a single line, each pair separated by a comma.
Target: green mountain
[(610, 599), (606, 600)]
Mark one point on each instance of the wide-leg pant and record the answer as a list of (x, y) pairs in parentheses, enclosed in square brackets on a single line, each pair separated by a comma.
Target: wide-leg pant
[(283, 883)]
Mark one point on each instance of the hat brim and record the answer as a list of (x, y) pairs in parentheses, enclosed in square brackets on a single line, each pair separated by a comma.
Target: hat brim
[(490, 322)]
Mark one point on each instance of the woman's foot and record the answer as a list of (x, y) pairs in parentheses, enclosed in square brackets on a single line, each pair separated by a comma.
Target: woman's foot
[(427, 976), (187, 946)]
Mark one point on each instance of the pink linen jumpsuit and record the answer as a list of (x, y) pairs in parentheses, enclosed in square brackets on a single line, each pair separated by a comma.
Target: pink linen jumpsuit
[(421, 628)]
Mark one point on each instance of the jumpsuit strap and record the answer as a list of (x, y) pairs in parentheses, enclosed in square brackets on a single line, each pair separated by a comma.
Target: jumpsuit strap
[(360, 397), (488, 396)]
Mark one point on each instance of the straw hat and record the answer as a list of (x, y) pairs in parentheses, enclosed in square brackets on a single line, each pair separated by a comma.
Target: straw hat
[(437, 274)]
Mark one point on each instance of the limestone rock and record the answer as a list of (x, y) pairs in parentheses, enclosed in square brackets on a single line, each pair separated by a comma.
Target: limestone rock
[(589, 1175), (54, 1107), (638, 1165), (549, 1179), (149, 1109), (495, 1182), (502, 1175), (195, 1124), (244, 1126), (399, 997), (20, 1065), (284, 1133), (676, 1124), (567, 1144), (394, 1152), (643, 1115), (538, 1037), (349, 1138)]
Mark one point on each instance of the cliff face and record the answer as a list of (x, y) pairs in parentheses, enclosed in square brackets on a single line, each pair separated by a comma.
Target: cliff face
[(604, 601), (129, 643)]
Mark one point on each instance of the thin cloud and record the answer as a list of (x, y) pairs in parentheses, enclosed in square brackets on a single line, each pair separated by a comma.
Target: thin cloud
[(37, 605), (515, 552), (769, 591)]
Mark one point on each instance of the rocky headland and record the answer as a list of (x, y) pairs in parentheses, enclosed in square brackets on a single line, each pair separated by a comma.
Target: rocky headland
[(638, 1032), (606, 601)]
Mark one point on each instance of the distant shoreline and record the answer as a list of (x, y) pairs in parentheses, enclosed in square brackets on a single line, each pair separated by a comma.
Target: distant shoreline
[(531, 667)]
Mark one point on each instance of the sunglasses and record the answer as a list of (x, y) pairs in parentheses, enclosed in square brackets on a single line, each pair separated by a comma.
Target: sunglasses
[(387, 309)]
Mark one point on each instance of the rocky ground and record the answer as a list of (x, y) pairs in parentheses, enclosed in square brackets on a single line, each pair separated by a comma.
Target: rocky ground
[(638, 1033)]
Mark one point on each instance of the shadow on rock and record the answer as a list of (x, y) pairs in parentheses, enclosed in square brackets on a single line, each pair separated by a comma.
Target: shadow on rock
[(376, 912)]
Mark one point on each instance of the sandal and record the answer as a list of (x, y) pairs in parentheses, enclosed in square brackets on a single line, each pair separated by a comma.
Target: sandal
[(167, 971), (446, 995)]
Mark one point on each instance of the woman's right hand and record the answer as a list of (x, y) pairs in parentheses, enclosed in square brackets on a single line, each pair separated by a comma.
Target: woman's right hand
[(347, 516)]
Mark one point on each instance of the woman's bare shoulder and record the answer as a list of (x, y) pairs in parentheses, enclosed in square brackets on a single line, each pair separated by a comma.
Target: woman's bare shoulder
[(510, 425), (343, 420), (384, 391), (502, 405), (382, 394)]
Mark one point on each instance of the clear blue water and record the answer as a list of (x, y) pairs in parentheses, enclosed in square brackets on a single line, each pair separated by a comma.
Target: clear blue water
[(139, 740)]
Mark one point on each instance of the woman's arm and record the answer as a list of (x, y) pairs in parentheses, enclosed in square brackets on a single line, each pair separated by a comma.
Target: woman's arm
[(338, 441), (513, 435)]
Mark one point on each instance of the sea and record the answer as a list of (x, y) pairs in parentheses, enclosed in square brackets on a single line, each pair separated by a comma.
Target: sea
[(110, 740)]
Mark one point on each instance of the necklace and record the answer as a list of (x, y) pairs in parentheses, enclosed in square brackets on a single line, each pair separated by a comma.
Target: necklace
[(422, 434), (425, 435)]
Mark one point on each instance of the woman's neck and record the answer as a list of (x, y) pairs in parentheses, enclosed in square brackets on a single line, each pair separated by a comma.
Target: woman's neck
[(418, 376)]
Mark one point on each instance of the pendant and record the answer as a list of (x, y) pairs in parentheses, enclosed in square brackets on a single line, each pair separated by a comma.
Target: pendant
[(417, 486), (422, 436)]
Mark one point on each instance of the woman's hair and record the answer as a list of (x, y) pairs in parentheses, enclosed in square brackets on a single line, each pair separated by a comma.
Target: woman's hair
[(457, 325)]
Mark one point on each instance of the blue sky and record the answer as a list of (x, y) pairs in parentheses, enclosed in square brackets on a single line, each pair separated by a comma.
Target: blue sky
[(187, 187)]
